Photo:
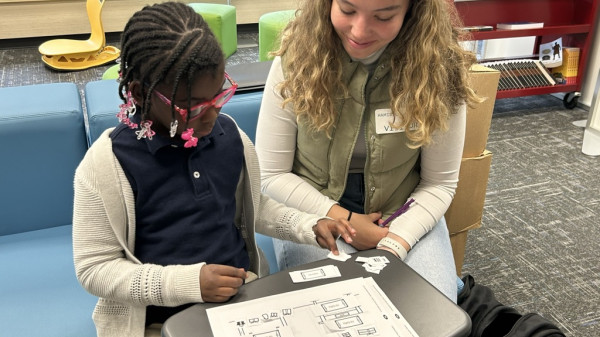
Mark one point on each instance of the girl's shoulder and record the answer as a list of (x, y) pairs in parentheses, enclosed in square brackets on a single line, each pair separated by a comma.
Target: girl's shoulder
[(230, 126), (227, 122)]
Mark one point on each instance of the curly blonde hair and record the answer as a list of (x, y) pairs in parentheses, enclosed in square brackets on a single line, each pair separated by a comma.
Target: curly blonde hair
[(429, 69)]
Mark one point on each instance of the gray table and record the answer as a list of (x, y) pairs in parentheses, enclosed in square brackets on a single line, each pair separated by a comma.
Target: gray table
[(429, 312)]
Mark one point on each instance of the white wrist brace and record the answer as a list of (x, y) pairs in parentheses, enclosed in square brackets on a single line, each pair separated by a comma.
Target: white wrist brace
[(394, 246)]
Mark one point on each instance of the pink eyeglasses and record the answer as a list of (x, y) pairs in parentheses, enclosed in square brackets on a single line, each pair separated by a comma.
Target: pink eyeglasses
[(198, 110)]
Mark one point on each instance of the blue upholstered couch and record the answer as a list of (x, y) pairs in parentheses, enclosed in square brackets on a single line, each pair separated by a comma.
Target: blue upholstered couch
[(44, 133), (42, 140)]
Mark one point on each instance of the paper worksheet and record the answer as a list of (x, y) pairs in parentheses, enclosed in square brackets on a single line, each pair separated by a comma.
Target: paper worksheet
[(351, 308)]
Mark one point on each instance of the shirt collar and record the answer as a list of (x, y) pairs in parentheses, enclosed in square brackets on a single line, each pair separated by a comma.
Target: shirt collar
[(159, 141), (371, 59)]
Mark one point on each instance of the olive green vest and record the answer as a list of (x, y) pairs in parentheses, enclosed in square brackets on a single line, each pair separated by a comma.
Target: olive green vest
[(391, 168)]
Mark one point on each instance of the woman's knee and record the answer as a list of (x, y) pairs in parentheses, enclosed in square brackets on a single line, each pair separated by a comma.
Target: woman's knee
[(432, 258)]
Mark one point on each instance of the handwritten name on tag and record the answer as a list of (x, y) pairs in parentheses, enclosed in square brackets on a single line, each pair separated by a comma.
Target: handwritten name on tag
[(384, 122)]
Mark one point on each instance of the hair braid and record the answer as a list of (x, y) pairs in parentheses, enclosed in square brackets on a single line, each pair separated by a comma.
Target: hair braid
[(162, 42)]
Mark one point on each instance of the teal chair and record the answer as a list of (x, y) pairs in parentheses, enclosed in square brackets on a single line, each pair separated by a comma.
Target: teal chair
[(270, 26), (222, 21), (112, 73)]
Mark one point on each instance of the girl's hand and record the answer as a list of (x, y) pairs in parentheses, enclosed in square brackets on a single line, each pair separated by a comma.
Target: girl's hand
[(327, 232), (368, 232), (219, 282)]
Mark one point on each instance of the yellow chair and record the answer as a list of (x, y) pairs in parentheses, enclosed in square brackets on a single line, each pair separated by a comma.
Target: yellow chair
[(69, 54)]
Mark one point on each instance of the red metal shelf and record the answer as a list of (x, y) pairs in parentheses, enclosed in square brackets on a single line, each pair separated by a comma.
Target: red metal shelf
[(573, 20), (553, 30), (536, 91)]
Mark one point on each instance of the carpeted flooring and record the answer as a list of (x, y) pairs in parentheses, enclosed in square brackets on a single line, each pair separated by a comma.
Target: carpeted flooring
[(538, 246)]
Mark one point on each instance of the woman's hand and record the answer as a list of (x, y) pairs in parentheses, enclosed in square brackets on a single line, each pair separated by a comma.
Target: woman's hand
[(368, 232), (219, 282), (327, 232)]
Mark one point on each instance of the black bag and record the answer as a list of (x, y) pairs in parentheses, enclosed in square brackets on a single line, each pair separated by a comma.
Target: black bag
[(490, 318)]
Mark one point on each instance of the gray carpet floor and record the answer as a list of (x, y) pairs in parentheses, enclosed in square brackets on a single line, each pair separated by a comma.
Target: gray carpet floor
[(538, 245)]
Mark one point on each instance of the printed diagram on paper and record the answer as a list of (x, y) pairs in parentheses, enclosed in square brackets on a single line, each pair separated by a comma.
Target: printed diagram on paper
[(352, 308)]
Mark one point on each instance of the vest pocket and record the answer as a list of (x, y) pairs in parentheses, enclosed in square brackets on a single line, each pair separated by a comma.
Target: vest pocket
[(312, 156), (392, 153)]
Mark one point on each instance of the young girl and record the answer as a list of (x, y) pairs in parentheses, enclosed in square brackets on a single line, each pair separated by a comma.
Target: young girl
[(365, 117), (166, 204)]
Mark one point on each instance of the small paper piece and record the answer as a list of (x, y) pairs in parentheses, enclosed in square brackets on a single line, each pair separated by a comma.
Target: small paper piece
[(371, 269), (373, 264), (319, 273), (342, 254), (341, 257)]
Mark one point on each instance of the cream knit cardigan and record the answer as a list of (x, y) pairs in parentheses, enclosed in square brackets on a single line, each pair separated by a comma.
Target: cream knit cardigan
[(104, 241)]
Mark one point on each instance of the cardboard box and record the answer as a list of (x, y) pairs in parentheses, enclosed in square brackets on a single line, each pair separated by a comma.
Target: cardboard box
[(484, 82), (466, 210)]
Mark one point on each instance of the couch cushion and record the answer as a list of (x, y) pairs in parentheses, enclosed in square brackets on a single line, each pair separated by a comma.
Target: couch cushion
[(102, 105), (43, 141), (244, 109), (40, 295)]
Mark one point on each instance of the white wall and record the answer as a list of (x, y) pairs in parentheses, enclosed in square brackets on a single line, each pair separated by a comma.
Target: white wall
[(591, 76), (36, 18)]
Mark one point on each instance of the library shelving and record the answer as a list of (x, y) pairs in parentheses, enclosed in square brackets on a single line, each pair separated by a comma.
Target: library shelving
[(571, 20)]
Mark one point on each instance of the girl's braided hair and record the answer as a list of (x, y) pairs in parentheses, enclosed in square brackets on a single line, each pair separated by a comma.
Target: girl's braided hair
[(167, 42)]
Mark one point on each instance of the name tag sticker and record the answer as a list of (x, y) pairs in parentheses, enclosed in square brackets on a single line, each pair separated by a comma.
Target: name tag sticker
[(384, 119)]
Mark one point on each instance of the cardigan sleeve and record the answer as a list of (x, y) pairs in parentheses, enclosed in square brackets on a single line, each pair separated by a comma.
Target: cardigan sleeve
[(272, 217), (276, 147)]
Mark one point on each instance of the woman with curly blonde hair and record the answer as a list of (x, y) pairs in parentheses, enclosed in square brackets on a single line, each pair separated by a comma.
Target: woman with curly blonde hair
[(364, 109)]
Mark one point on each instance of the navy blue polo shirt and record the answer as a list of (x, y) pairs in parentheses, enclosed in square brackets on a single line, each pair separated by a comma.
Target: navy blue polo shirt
[(185, 197)]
